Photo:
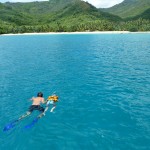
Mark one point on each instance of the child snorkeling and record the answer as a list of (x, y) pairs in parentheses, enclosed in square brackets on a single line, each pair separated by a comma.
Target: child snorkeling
[(51, 100)]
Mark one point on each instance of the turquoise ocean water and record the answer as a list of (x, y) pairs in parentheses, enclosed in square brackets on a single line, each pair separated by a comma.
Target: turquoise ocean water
[(103, 83)]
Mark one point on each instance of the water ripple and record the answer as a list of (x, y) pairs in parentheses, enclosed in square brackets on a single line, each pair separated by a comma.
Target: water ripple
[(103, 82)]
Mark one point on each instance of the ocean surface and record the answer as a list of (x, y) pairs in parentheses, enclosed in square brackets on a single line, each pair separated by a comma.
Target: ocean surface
[(103, 83)]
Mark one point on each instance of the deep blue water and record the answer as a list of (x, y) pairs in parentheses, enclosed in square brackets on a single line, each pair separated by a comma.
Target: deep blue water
[(103, 83)]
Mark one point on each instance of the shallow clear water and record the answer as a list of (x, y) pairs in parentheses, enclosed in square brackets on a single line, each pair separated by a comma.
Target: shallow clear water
[(103, 82)]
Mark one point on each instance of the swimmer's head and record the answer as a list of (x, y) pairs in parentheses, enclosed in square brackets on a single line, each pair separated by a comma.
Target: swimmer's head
[(40, 94)]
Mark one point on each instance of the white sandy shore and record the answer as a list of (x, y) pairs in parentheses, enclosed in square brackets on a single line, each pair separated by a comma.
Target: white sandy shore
[(94, 32)]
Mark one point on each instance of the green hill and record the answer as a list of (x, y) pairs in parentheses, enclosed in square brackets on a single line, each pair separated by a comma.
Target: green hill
[(65, 16), (40, 7), (80, 12), (30, 13), (129, 8), (10, 15), (144, 15), (64, 11)]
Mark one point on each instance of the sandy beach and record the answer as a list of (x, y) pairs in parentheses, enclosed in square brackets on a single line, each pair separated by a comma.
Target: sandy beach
[(94, 32)]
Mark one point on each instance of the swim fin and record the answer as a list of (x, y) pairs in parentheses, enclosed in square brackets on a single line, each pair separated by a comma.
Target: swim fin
[(10, 125), (32, 123)]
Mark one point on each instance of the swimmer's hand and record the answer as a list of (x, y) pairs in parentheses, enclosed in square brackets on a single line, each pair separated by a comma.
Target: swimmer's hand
[(32, 98), (45, 101)]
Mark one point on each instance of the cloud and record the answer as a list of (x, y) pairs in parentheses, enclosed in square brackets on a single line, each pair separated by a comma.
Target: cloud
[(103, 3), (96, 3)]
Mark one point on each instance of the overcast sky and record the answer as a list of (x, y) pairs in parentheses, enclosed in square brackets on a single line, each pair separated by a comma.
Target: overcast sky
[(97, 3)]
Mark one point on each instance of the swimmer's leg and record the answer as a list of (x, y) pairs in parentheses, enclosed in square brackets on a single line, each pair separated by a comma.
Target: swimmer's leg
[(43, 112), (41, 115), (25, 115), (52, 109)]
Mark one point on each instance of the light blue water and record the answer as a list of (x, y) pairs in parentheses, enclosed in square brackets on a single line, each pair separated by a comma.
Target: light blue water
[(103, 82)]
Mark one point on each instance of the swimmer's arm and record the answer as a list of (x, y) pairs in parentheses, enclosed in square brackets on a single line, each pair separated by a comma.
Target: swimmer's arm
[(32, 98), (45, 101)]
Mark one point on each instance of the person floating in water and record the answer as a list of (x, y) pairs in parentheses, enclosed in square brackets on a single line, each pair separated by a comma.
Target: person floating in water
[(35, 106), (51, 101)]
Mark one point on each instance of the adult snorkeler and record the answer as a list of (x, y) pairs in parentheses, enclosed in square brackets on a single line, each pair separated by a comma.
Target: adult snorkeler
[(35, 106)]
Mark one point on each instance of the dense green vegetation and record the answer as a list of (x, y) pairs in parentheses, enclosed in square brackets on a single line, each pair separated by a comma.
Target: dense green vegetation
[(129, 8), (144, 15), (64, 16)]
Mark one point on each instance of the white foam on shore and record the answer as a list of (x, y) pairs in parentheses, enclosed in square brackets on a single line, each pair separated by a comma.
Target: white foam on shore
[(95, 32)]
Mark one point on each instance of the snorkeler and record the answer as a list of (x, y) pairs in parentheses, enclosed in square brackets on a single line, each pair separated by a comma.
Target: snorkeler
[(51, 101), (35, 106)]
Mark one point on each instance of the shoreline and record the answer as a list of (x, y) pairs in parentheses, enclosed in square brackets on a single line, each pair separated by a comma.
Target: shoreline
[(88, 32)]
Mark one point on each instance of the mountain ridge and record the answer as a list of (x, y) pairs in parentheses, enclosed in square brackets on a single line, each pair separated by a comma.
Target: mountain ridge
[(65, 16), (40, 11), (129, 8)]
